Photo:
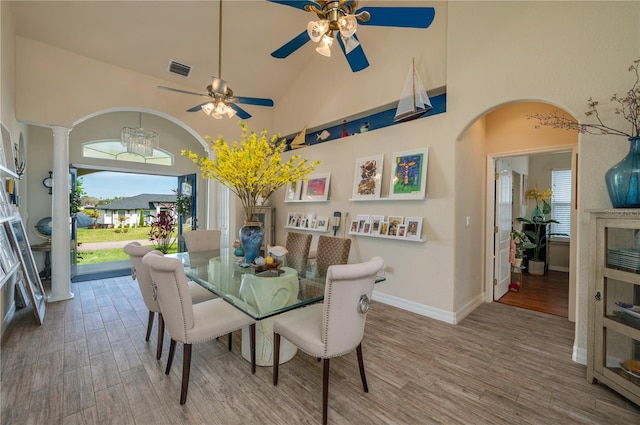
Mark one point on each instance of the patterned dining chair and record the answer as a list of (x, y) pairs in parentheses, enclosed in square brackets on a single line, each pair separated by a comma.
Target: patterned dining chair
[(202, 240), (298, 245), (188, 323), (335, 326), (331, 251), (140, 273)]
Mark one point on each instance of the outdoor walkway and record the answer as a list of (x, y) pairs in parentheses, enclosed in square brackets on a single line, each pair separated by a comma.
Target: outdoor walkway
[(92, 246)]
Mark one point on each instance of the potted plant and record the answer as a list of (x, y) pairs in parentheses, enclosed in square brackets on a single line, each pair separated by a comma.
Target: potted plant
[(538, 222), (521, 243), (252, 169)]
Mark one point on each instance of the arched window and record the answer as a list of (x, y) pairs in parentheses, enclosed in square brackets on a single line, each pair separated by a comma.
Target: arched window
[(114, 151)]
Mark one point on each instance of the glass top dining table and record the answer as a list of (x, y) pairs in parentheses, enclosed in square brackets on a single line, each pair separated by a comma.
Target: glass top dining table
[(260, 295)]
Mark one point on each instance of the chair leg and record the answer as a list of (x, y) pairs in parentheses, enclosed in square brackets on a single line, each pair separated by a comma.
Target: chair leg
[(172, 350), (186, 369), (252, 346), (149, 325), (325, 390), (361, 365), (160, 336), (230, 339), (276, 357)]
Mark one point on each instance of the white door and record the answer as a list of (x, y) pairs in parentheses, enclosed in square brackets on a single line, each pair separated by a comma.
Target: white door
[(504, 201)]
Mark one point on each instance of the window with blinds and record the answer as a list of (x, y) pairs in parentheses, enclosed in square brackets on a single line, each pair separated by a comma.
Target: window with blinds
[(561, 202)]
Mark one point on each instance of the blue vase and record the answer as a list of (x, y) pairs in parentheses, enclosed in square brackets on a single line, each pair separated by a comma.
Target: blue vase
[(623, 179), (251, 236)]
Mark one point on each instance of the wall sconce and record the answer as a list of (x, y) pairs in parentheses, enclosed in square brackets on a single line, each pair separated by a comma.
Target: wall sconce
[(48, 182)]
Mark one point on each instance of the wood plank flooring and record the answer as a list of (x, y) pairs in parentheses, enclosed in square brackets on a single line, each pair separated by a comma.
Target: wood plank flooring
[(89, 364), (548, 293)]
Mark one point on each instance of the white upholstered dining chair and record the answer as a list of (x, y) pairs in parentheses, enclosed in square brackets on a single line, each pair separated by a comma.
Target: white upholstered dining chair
[(192, 323), (334, 327), (202, 240), (140, 273)]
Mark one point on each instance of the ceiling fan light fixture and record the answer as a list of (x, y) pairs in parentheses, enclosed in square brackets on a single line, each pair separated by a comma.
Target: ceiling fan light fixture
[(316, 29), (324, 47), (347, 25), (350, 43), (207, 108)]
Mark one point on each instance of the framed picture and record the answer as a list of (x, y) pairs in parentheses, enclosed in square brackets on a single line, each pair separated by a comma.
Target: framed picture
[(354, 226), (402, 231), (414, 227), (322, 224), (367, 228), (292, 191), (6, 154), (291, 219), (20, 244), (409, 174), (375, 224), (394, 222), (316, 188), (384, 227), (368, 177)]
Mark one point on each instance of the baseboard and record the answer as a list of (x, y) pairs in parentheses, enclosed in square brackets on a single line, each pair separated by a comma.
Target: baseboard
[(428, 311), (579, 355), (559, 269)]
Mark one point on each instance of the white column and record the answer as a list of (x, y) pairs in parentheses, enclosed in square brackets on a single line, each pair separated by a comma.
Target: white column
[(61, 234)]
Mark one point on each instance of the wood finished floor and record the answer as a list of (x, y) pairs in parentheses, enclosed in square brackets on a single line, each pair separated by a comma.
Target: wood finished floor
[(89, 364), (548, 293)]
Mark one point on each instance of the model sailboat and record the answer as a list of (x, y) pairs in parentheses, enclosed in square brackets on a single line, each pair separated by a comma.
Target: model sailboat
[(414, 101)]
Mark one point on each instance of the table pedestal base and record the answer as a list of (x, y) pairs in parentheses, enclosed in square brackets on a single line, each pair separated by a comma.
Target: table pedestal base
[(264, 344)]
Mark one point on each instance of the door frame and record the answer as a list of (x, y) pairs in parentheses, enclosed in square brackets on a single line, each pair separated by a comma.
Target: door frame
[(490, 219)]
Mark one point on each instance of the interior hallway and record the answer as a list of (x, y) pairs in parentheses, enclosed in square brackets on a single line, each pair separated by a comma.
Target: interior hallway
[(547, 294)]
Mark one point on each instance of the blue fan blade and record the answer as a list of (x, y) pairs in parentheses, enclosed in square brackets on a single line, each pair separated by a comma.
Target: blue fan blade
[(356, 58), (197, 107), (240, 112), (254, 101), (293, 45), (298, 4), (408, 17)]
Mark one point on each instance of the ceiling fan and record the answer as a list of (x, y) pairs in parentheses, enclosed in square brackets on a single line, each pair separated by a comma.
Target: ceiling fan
[(221, 100), (340, 18)]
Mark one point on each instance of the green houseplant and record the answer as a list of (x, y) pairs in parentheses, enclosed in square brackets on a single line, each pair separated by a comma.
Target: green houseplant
[(538, 222), (521, 243)]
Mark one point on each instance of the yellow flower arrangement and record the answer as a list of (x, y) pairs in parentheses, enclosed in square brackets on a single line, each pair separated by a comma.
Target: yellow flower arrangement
[(252, 169), (539, 211)]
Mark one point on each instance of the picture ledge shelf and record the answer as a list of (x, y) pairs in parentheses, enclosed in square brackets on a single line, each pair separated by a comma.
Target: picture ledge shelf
[(307, 200), (307, 229), (385, 198), (395, 238)]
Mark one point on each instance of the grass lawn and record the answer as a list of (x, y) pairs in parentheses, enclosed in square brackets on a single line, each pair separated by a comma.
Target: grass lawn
[(115, 254)]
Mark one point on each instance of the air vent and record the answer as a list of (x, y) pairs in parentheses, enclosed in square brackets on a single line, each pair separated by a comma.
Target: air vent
[(179, 68)]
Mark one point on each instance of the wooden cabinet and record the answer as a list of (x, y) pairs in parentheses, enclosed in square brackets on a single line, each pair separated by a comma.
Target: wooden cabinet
[(614, 302)]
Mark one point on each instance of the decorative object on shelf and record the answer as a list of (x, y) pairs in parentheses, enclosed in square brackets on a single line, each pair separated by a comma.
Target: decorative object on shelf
[(623, 179), (299, 141), (223, 102), (43, 228), (48, 182), (316, 187), (367, 177), (414, 101), (340, 20), (138, 140), (292, 191), (163, 230), (409, 174), (345, 133), (252, 169), (335, 222), (413, 227)]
